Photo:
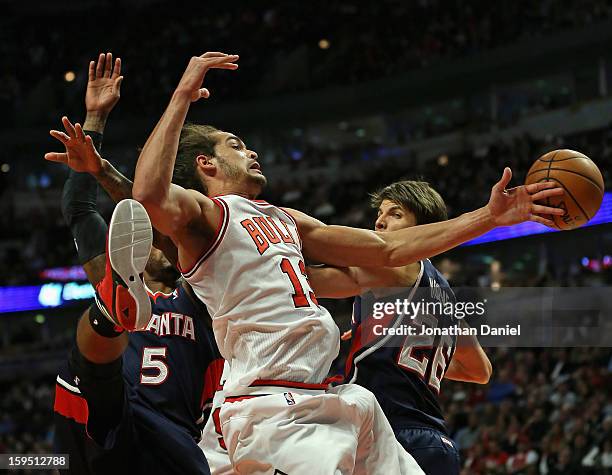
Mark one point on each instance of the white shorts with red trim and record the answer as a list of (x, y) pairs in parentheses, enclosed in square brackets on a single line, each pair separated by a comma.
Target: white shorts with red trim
[(212, 443), (340, 431)]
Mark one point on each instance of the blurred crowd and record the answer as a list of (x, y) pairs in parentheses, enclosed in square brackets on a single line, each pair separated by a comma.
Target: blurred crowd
[(282, 47), (26, 415), (545, 412)]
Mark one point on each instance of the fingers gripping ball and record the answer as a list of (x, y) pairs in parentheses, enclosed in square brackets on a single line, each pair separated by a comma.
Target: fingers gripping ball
[(582, 181)]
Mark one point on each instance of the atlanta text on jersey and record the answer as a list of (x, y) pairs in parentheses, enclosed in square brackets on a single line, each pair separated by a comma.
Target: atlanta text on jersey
[(169, 323)]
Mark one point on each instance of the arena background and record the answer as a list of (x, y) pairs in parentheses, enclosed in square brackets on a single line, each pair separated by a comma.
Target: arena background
[(338, 98)]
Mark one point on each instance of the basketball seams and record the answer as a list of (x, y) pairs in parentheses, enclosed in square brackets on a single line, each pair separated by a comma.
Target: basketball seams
[(567, 171), (563, 159), (556, 180)]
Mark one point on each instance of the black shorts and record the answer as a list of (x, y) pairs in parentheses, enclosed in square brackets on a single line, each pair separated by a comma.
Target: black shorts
[(147, 442), (434, 451), (69, 437)]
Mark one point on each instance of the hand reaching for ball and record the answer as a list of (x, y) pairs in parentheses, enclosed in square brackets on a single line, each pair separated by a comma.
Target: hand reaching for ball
[(519, 204)]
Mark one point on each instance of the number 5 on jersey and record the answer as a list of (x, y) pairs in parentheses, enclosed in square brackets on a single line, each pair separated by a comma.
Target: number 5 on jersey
[(154, 363)]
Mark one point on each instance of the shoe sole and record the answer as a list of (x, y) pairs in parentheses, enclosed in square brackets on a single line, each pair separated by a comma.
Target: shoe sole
[(130, 237)]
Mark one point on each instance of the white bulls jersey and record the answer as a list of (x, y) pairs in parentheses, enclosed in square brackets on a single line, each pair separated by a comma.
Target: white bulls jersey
[(266, 320)]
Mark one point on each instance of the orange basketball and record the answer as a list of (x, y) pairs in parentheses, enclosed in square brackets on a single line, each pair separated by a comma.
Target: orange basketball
[(578, 175)]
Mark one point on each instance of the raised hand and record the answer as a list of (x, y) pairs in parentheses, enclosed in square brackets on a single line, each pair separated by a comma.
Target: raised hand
[(193, 77), (518, 204), (80, 154), (103, 85)]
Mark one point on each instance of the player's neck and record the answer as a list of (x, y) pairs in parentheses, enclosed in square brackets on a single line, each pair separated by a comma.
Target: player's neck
[(233, 189), (411, 273), (158, 286), (248, 196)]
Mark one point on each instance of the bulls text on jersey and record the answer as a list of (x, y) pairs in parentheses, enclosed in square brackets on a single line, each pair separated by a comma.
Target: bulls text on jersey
[(266, 230)]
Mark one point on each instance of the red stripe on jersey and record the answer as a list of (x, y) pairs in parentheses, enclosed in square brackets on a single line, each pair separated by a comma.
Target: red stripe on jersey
[(218, 237), (355, 347), (70, 405), (212, 380), (337, 378), (240, 398), (287, 384)]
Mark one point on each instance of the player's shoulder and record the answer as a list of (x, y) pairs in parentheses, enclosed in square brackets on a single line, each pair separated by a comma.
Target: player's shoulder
[(237, 203), (302, 220), (201, 198), (432, 275)]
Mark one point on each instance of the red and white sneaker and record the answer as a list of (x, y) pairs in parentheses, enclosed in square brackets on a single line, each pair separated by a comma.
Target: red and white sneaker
[(122, 295)]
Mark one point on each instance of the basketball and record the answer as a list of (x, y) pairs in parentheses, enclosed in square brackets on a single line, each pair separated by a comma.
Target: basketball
[(582, 181)]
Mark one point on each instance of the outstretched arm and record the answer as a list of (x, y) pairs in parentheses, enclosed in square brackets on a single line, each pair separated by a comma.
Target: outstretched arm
[(344, 246), (79, 199), (343, 282), (172, 208)]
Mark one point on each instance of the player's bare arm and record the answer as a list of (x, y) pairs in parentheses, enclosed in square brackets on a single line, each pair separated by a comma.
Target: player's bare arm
[(343, 282), (345, 246), (469, 363), (186, 216)]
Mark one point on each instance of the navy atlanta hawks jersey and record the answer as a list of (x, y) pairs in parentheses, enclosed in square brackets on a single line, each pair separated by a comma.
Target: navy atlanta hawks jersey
[(173, 365), (171, 368), (404, 372)]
